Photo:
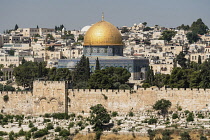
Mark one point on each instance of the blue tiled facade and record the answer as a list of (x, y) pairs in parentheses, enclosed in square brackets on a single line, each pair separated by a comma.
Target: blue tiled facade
[(136, 67)]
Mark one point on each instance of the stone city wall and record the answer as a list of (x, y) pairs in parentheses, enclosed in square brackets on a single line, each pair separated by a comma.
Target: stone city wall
[(141, 99), (53, 96), (18, 103)]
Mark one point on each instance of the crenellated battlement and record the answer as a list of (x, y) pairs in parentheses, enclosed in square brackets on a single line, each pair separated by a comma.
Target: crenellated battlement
[(49, 82), (98, 91), (15, 92)]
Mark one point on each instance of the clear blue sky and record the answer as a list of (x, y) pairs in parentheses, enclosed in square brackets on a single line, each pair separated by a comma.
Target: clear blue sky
[(75, 14)]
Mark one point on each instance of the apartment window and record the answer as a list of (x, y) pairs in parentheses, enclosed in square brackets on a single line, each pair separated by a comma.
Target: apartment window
[(195, 57), (192, 57)]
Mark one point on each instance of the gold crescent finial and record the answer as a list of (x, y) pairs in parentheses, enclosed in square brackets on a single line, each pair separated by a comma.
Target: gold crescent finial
[(102, 16)]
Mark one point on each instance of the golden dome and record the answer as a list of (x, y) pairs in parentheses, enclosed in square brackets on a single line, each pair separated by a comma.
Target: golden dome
[(103, 33)]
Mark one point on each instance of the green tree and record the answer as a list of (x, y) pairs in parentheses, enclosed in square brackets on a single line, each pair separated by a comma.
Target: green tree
[(199, 59), (144, 23), (11, 52), (64, 133), (81, 73), (175, 116), (151, 134), (204, 72), (190, 117), (26, 73), (166, 135), (194, 79), (181, 59), (40, 133), (199, 27), (150, 76), (203, 137), (179, 78), (167, 35), (162, 105), (110, 77), (16, 27), (50, 126), (98, 117), (11, 135), (50, 37), (23, 61), (97, 64), (147, 29), (185, 136), (160, 80), (192, 37), (183, 27), (81, 37), (60, 74)]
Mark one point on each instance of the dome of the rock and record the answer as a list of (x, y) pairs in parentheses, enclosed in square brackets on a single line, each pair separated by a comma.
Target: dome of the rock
[(103, 39), (103, 33)]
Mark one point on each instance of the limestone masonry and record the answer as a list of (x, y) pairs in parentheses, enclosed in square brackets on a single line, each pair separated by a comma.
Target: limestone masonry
[(54, 96)]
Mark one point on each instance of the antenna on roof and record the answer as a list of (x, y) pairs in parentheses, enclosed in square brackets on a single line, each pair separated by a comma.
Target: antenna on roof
[(102, 16)]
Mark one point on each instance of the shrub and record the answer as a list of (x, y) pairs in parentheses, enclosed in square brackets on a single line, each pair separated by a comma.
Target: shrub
[(151, 134), (186, 112), (50, 126), (47, 115), (203, 137), (57, 129), (21, 132), (79, 123), (105, 97), (190, 117), (28, 135), (200, 116), (33, 129), (72, 115), (2, 133), (119, 122), (114, 130), (175, 116), (146, 85), (11, 135), (152, 121), (79, 117), (71, 124), (64, 133), (47, 120), (60, 116), (6, 98), (131, 114), (31, 125), (40, 133), (1, 116), (185, 136), (114, 114)]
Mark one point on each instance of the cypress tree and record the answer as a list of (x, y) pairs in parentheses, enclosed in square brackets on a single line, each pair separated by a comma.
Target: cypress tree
[(199, 59), (87, 68), (16, 27), (97, 64), (23, 60), (82, 72)]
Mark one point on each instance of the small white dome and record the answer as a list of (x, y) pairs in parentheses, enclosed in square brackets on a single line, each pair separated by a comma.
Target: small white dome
[(85, 29)]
